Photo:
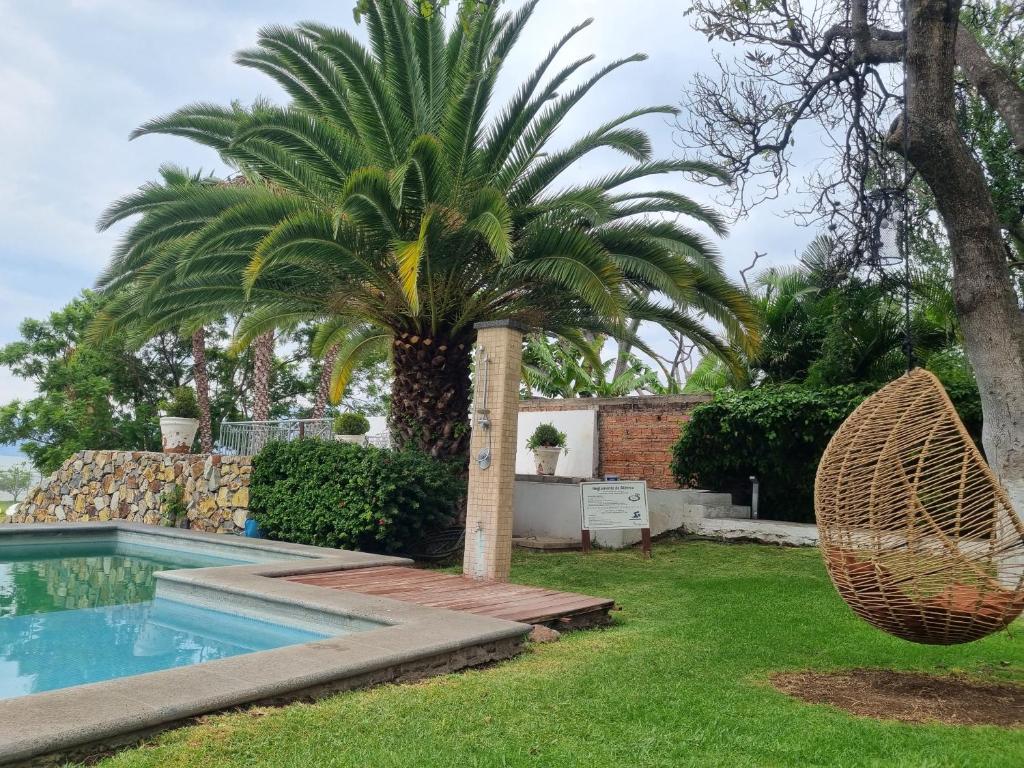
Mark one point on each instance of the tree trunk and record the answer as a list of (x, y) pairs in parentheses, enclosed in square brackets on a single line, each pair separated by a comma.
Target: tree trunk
[(201, 376), (625, 347), (993, 83), (324, 387), (987, 307), (430, 394), (263, 360)]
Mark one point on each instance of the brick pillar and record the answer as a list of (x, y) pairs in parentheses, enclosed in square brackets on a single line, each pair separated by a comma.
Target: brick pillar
[(495, 419)]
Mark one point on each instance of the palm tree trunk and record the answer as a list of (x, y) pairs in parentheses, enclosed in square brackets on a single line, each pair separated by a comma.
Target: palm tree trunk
[(201, 376), (625, 347), (324, 387), (263, 349), (430, 395)]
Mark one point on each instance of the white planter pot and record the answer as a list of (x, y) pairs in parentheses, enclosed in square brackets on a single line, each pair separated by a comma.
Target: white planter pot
[(177, 434), (547, 460), (354, 439)]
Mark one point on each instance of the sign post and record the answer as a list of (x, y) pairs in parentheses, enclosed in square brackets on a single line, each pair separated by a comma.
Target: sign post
[(615, 505)]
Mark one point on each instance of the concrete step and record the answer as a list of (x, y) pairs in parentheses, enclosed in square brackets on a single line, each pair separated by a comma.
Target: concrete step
[(545, 543)]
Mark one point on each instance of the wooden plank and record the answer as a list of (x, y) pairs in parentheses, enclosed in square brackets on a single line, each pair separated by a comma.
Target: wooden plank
[(516, 602)]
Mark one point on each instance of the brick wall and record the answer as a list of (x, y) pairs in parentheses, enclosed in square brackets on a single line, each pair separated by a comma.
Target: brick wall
[(635, 434)]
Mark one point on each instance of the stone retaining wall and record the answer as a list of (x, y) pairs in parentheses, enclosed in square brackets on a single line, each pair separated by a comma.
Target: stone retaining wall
[(118, 485)]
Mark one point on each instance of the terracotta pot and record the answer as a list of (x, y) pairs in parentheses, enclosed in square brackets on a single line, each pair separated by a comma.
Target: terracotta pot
[(547, 459), (177, 435), (354, 439)]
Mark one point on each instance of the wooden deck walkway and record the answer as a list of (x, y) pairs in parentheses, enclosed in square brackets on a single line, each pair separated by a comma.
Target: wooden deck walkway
[(514, 602)]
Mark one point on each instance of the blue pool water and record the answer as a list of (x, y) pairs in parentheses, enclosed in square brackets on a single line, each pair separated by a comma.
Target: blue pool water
[(58, 576), (42, 652), (74, 613)]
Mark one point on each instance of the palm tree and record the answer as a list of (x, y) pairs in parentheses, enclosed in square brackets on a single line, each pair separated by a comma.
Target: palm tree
[(383, 204), (823, 327), (323, 388), (201, 378), (263, 365)]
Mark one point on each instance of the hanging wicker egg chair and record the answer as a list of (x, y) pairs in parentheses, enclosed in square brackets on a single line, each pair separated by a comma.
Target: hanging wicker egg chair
[(917, 533)]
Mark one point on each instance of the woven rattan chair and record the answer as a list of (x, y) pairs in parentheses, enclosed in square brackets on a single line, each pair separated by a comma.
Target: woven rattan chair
[(917, 533)]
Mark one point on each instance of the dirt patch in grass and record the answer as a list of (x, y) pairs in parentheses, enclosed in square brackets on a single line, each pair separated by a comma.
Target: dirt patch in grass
[(908, 696)]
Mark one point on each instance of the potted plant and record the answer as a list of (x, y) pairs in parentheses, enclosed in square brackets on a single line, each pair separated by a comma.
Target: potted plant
[(180, 421), (547, 444), (351, 427)]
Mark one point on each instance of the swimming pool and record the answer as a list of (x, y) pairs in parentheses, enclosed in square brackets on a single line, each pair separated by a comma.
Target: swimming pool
[(77, 612), (110, 631), (57, 576)]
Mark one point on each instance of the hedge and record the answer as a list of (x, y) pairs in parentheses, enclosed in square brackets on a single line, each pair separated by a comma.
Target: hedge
[(778, 434), (775, 433), (334, 494)]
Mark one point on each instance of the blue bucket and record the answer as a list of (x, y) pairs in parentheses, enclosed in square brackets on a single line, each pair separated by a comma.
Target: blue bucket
[(252, 529)]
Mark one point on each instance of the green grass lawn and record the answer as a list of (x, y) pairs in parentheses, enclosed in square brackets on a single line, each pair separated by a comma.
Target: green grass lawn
[(4, 505), (678, 680)]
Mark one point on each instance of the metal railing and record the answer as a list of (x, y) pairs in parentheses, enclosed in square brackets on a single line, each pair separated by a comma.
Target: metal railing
[(247, 438)]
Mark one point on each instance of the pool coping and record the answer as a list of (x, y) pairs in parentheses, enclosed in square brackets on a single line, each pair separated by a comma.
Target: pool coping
[(413, 641)]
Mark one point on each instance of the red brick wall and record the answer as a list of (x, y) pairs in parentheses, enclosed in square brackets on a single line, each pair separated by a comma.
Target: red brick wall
[(635, 434)]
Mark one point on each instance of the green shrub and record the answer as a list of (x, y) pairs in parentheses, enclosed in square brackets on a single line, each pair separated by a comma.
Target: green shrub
[(775, 433), (181, 404), (778, 434), (546, 436), (332, 494), (173, 511), (351, 423)]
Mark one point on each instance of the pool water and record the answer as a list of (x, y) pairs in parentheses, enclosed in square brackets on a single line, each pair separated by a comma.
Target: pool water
[(58, 577), (81, 613), (43, 652)]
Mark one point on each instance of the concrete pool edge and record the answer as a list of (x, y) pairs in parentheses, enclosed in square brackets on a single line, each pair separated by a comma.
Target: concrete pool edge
[(410, 642)]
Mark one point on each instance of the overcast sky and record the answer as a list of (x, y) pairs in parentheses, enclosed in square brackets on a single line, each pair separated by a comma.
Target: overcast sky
[(76, 76)]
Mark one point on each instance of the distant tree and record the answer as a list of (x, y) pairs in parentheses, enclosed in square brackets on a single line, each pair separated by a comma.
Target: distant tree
[(105, 393), (15, 480), (89, 397)]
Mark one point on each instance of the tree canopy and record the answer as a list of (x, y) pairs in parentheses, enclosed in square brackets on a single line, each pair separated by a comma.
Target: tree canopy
[(394, 205)]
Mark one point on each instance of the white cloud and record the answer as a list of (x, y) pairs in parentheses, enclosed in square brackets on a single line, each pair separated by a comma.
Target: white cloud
[(13, 388)]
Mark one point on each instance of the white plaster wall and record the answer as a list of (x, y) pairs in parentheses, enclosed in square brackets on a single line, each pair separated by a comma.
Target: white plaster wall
[(552, 510), (548, 510), (378, 425), (580, 429)]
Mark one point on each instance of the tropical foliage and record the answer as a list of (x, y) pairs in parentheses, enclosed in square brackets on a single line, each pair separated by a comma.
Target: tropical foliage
[(829, 339), (558, 369), (394, 205), (822, 327)]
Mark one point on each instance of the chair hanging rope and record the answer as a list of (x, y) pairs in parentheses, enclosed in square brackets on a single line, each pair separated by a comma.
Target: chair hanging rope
[(917, 533)]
